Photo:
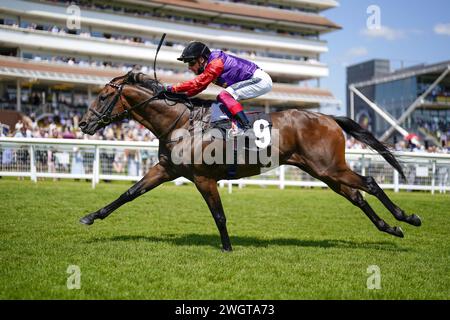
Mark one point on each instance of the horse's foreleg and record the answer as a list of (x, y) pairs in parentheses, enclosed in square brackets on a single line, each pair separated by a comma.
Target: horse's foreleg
[(208, 189), (154, 177)]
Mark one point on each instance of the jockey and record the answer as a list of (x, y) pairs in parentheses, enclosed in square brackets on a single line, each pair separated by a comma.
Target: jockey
[(241, 79)]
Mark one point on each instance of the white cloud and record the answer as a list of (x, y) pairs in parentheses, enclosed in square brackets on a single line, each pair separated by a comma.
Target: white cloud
[(383, 32), (357, 52), (442, 29)]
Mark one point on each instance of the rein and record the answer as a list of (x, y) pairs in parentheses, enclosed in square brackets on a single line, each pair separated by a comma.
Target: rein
[(107, 117)]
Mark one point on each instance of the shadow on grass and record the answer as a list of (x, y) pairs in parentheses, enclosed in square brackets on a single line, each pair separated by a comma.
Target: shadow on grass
[(247, 241)]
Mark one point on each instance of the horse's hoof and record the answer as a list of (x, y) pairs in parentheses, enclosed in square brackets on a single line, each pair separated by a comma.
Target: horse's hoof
[(87, 220), (415, 220), (398, 232), (228, 250)]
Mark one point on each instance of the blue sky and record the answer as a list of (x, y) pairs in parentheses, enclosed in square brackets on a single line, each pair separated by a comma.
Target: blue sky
[(412, 31)]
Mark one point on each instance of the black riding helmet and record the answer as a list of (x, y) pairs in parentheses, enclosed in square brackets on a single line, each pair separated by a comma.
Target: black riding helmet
[(194, 50)]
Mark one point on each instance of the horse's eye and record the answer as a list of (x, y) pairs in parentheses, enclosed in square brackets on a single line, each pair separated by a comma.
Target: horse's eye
[(102, 97)]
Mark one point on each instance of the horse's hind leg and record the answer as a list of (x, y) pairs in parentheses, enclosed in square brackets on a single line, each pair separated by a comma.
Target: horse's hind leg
[(369, 185), (398, 213), (154, 177), (355, 197)]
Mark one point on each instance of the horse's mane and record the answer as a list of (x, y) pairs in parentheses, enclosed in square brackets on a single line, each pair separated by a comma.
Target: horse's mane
[(155, 86), (151, 84), (141, 79)]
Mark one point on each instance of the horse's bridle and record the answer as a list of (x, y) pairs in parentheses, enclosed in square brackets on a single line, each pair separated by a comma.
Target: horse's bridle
[(107, 117)]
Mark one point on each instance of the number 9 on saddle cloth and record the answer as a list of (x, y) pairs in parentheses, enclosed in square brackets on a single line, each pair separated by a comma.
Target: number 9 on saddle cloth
[(257, 139), (261, 125)]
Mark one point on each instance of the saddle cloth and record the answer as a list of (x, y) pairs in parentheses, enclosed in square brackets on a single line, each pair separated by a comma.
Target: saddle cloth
[(208, 115)]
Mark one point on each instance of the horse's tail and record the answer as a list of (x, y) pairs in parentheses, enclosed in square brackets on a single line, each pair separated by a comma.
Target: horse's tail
[(360, 134)]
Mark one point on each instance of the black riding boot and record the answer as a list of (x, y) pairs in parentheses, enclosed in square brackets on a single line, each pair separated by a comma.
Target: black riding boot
[(243, 121)]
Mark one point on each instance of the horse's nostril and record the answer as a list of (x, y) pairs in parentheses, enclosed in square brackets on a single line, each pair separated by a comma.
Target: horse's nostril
[(82, 124)]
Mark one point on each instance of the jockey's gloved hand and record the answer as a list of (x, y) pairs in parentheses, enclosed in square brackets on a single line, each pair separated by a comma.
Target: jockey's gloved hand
[(167, 87)]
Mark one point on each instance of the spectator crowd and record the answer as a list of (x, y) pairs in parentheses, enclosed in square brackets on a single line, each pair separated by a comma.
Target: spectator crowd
[(66, 127), (60, 127)]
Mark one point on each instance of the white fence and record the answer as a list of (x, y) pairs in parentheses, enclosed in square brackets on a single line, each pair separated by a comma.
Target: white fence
[(115, 160)]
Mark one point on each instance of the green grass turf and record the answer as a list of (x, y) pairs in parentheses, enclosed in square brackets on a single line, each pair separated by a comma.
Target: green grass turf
[(288, 244)]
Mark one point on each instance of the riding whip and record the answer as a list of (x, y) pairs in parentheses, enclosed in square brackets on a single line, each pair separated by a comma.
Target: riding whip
[(156, 55)]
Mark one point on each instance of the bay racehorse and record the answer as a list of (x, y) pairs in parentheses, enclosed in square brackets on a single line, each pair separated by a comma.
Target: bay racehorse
[(311, 141)]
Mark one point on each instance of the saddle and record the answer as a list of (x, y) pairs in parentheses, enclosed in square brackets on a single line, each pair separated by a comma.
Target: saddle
[(209, 115)]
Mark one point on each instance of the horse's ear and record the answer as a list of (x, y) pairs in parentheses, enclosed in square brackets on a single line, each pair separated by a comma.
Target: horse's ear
[(129, 77), (133, 77)]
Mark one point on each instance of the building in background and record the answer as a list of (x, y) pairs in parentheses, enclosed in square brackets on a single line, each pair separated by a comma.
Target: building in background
[(55, 57), (395, 105)]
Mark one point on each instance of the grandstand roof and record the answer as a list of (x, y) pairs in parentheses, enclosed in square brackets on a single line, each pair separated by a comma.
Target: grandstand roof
[(318, 4), (218, 9), (13, 68), (434, 69)]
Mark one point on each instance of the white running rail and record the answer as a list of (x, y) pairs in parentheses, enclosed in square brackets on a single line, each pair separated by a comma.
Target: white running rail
[(98, 160)]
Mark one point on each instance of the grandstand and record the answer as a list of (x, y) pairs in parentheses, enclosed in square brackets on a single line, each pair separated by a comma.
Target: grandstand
[(401, 103), (47, 66)]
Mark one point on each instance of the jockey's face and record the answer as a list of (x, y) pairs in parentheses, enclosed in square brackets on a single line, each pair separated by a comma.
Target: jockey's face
[(197, 65)]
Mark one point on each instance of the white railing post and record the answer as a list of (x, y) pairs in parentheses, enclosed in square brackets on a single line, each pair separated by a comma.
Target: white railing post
[(97, 163), (230, 187), (282, 177), (396, 181), (95, 166), (433, 175), (32, 164), (93, 174), (363, 171)]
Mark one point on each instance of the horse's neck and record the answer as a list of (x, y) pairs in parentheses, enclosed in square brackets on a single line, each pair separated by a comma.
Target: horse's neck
[(158, 117)]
